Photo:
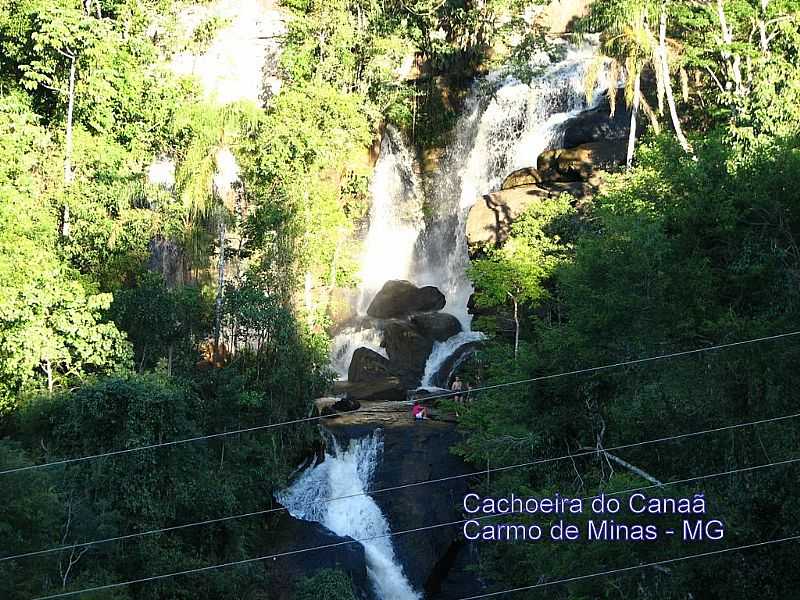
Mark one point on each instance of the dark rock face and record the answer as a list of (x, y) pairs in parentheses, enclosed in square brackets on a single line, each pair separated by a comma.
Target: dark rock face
[(597, 124), (288, 533), (385, 388), (437, 326), (525, 176), (367, 365), (400, 298), (408, 350), (490, 218)]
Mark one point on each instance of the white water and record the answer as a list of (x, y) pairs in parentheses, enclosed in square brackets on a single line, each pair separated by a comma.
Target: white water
[(395, 218), (348, 341), (506, 126), (444, 350), (344, 473), (501, 131)]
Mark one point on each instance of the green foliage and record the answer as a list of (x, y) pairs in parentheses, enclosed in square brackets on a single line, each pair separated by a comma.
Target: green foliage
[(326, 584)]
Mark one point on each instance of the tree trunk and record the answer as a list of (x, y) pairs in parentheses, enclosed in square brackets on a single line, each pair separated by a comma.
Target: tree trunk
[(220, 284), (68, 174), (637, 94), (727, 38), (516, 325), (673, 111), (762, 28), (48, 369)]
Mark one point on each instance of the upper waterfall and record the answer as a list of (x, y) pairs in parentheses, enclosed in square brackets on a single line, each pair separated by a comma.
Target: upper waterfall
[(506, 126)]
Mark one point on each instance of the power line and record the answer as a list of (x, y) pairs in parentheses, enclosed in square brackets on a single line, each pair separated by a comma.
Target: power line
[(397, 487), (431, 397), (389, 535), (635, 567)]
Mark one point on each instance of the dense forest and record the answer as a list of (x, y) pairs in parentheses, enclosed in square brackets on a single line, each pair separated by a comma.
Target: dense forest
[(136, 311)]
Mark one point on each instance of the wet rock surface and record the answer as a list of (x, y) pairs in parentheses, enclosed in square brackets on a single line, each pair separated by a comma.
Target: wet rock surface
[(437, 326), (367, 365)]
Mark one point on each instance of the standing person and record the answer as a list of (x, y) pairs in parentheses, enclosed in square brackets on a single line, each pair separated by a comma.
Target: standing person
[(457, 387)]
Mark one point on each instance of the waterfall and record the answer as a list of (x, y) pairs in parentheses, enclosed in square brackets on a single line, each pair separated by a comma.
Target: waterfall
[(506, 126), (395, 223), (346, 473)]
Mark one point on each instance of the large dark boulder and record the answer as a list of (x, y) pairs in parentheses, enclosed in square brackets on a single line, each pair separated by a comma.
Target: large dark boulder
[(367, 365), (437, 326), (288, 533), (386, 388), (490, 218), (400, 298), (597, 124), (408, 351)]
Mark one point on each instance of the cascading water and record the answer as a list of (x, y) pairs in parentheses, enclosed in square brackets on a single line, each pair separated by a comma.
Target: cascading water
[(506, 126), (349, 473)]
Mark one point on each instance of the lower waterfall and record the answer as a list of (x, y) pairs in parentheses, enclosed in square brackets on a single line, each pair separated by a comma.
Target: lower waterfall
[(348, 472)]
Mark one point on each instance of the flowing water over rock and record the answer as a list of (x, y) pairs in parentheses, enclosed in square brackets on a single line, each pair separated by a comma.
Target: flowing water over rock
[(347, 472)]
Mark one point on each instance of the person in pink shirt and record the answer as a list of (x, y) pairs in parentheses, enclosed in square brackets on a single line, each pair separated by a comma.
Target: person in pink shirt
[(418, 411)]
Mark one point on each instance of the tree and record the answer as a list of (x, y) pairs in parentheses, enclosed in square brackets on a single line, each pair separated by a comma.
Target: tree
[(630, 45), (519, 270), (208, 176)]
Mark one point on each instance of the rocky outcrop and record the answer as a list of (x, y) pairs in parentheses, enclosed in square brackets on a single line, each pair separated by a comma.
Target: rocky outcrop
[(490, 218), (598, 124), (400, 298), (560, 16), (525, 176), (367, 365), (417, 451), (582, 162), (436, 326), (288, 533), (384, 388)]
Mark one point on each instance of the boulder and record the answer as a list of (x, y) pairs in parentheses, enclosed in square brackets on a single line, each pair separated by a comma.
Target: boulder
[(437, 326), (400, 298), (386, 388), (581, 162), (560, 16), (367, 365), (490, 218), (525, 176), (597, 124), (346, 404), (408, 351)]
